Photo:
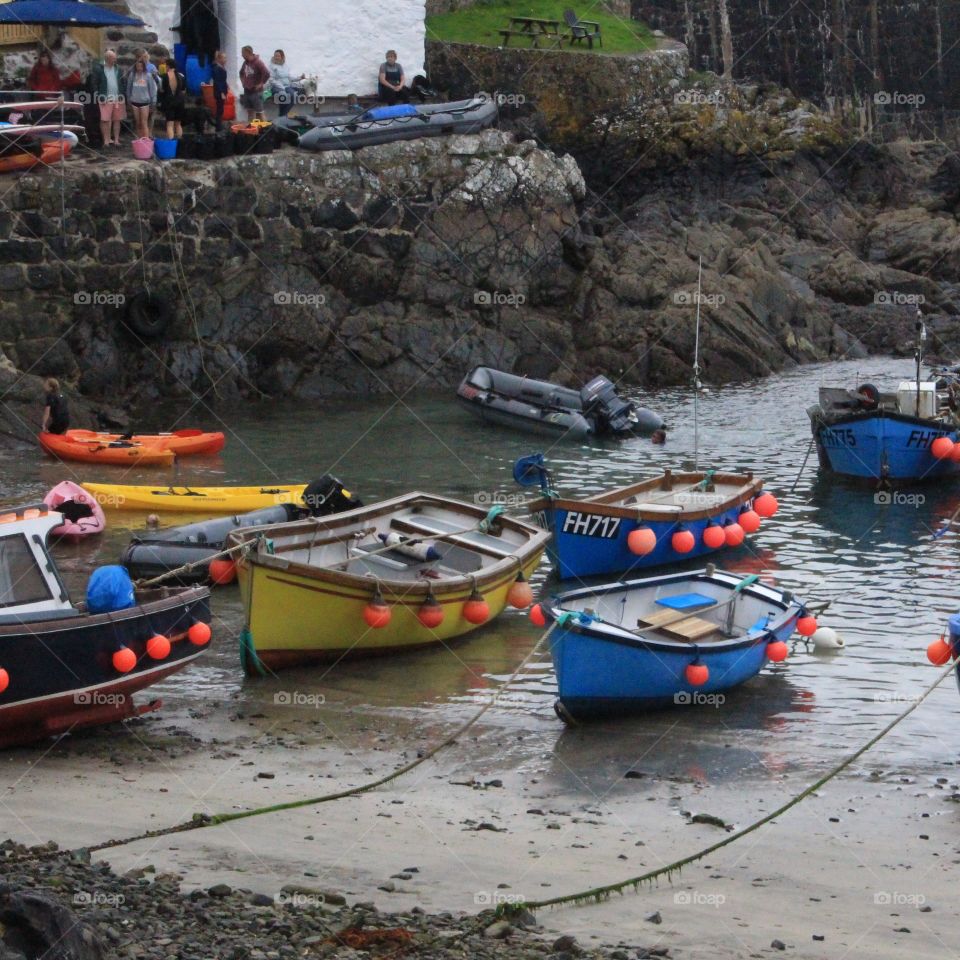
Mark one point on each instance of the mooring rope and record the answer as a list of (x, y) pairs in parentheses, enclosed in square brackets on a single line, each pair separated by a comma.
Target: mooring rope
[(199, 820), (601, 893)]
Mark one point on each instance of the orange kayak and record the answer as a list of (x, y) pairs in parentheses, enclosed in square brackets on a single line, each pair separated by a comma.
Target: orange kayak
[(182, 442), (124, 453)]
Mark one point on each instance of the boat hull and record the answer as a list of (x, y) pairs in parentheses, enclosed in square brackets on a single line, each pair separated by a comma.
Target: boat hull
[(194, 499), (183, 443), (520, 416), (61, 673), (883, 446), (65, 448), (604, 671)]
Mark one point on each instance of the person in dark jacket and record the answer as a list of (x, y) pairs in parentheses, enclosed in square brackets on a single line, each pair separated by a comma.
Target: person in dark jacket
[(218, 75), (173, 100), (254, 76), (107, 86), (56, 413)]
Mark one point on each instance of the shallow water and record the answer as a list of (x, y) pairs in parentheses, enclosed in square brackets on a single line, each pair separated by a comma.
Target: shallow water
[(891, 586)]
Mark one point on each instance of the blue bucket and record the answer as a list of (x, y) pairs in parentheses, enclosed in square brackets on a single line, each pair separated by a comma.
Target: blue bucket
[(165, 149)]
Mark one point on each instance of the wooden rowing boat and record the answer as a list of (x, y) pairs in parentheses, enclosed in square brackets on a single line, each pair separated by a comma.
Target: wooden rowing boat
[(414, 571)]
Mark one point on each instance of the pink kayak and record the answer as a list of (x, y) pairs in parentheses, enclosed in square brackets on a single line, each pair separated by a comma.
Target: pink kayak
[(82, 515)]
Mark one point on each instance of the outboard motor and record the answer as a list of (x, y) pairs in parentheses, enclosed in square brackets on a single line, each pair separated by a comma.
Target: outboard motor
[(609, 412), (328, 495)]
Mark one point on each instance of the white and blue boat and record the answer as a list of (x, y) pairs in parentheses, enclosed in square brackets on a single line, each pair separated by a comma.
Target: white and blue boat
[(656, 522), (890, 438), (684, 638)]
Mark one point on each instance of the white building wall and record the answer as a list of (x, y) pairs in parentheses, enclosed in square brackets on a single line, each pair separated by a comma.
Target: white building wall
[(341, 42)]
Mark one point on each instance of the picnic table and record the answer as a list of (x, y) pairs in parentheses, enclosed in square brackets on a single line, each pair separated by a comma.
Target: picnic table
[(535, 29)]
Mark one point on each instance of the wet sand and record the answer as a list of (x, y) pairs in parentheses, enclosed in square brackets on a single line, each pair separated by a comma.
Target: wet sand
[(858, 865)]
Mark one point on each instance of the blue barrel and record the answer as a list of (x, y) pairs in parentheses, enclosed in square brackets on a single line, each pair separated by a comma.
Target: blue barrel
[(180, 55), (196, 74)]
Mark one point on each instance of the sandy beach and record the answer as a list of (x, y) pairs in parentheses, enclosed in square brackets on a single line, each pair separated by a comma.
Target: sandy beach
[(860, 869)]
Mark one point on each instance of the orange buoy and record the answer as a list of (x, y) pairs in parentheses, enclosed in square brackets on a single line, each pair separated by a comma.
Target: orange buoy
[(376, 613), (430, 613), (939, 652), (697, 674), (4, 679), (476, 609), (713, 536), (520, 594), (777, 651), (124, 660), (766, 505), (536, 616), (733, 534), (683, 541), (807, 625), (749, 520), (158, 647), (641, 541), (942, 448), (222, 571), (199, 634)]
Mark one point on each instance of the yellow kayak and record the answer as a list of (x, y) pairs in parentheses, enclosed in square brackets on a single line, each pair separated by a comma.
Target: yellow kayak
[(118, 496)]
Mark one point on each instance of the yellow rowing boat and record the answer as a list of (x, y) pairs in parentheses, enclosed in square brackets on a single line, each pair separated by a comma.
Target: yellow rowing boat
[(415, 571), (119, 496)]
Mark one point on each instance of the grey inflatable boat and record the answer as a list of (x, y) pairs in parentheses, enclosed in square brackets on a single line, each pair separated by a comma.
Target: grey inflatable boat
[(386, 124), (537, 406)]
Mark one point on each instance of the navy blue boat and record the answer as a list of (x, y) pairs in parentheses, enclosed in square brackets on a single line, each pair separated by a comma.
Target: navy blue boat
[(890, 438), (679, 639)]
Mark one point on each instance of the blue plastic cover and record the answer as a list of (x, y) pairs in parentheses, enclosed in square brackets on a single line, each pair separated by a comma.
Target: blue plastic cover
[(953, 625), (110, 588), (388, 113)]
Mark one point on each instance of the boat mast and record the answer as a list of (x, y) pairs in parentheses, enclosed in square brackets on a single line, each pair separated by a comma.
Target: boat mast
[(696, 374), (921, 336)]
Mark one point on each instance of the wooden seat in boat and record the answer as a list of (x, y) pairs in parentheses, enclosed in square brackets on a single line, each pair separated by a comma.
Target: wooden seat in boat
[(670, 622), (479, 542)]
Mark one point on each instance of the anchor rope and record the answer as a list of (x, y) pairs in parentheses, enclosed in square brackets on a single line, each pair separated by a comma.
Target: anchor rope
[(601, 893)]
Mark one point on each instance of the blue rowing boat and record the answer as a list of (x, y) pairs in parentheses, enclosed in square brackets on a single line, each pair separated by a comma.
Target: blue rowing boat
[(684, 638), (656, 522)]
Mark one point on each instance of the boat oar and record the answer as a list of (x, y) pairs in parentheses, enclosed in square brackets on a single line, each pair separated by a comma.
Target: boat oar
[(939, 533)]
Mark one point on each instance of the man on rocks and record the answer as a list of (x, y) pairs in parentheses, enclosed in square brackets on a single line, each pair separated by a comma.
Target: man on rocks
[(254, 76)]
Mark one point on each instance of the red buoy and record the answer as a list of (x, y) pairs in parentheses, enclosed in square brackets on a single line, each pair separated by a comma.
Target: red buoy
[(158, 647), (807, 625), (942, 448), (430, 613), (520, 594), (199, 634), (749, 520), (124, 660), (697, 674), (777, 651), (713, 536), (939, 652), (536, 616), (376, 613), (766, 505), (222, 571), (4, 679), (476, 609), (683, 541), (733, 534), (641, 541)]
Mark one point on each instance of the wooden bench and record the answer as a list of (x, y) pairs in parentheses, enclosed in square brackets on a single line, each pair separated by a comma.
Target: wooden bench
[(686, 628), (581, 30), (555, 40), (468, 541)]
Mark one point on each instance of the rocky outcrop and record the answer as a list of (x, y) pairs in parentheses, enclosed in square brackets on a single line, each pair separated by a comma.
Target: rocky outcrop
[(396, 268)]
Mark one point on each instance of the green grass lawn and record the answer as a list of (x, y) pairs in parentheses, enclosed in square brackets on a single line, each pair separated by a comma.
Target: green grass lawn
[(479, 24)]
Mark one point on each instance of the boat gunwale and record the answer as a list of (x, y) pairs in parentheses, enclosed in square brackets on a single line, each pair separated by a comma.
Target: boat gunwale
[(749, 487), (525, 553)]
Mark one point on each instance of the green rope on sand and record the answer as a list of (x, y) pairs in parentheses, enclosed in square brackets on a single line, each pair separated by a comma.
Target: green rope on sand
[(248, 653), (599, 894)]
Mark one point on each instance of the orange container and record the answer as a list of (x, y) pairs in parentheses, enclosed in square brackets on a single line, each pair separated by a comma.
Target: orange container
[(229, 104)]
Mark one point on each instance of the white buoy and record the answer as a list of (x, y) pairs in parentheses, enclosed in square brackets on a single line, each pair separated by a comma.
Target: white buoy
[(827, 638)]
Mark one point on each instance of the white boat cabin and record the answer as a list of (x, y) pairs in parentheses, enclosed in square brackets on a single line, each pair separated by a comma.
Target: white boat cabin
[(30, 584)]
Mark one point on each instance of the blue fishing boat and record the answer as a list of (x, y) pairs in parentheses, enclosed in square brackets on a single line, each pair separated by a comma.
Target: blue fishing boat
[(656, 522), (683, 638), (905, 436)]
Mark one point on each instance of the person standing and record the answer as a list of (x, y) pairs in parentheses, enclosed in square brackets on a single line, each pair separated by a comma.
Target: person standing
[(392, 82), (44, 76), (56, 413), (107, 84), (173, 100), (218, 76), (142, 97), (254, 76)]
